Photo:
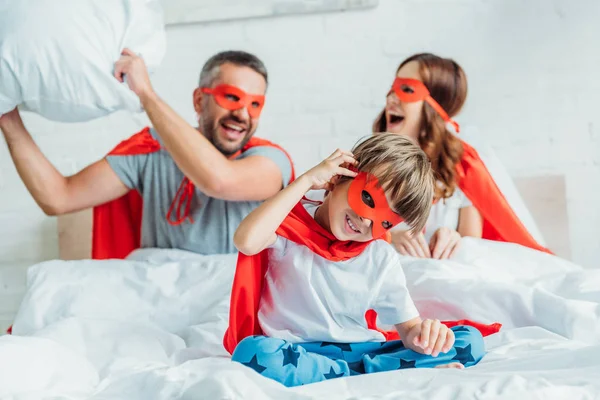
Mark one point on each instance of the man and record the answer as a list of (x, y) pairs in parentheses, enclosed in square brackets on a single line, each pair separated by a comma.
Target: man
[(196, 184)]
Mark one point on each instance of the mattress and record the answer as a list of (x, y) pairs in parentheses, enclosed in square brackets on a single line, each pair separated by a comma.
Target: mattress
[(150, 327)]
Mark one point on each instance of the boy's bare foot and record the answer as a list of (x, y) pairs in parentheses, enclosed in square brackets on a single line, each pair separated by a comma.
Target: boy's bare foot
[(456, 365)]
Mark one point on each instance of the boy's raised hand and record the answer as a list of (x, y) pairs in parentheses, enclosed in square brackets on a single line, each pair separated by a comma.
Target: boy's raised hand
[(322, 176), (430, 337)]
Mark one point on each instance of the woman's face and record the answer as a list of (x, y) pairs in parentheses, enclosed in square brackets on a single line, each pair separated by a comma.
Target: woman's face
[(405, 118)]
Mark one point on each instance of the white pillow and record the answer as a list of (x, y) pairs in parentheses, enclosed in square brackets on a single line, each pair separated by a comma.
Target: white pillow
[(57, 56)]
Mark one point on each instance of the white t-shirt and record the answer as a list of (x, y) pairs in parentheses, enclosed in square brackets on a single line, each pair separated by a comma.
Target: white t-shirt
[(308, 298), (443, 213)]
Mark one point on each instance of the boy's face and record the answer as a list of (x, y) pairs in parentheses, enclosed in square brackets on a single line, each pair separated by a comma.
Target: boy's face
[(345, 224)]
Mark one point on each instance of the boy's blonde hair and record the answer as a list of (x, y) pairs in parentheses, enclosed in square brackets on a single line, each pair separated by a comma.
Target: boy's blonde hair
[(403, 171)]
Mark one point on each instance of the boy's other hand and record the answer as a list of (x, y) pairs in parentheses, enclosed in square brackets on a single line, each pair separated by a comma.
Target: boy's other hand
[(410, 245), (323, 176), (430, 337)]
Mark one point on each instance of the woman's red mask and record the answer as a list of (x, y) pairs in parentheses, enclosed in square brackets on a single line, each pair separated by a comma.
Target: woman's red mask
[(233, 98), (367, 199), (412, 90)]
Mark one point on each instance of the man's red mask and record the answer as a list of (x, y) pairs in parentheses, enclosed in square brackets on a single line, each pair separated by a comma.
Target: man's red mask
[(367, 198), (412, 90), (233, 98)]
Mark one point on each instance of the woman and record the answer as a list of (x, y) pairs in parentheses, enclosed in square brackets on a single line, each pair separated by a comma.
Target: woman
[(427, 92)]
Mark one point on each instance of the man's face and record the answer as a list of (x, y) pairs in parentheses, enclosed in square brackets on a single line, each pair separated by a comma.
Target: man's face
[(229, 130)]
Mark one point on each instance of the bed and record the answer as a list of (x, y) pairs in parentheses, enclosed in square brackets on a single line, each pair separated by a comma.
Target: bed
[(150, 327)]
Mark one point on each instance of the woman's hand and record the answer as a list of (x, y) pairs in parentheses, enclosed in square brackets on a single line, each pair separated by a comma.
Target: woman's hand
[(444, 243), (410, 245)]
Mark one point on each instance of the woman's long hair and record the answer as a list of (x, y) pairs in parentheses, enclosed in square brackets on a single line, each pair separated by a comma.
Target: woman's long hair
[(447, 84)]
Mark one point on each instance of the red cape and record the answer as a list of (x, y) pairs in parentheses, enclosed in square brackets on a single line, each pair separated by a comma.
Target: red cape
[(117, 224), (500, 223), (300, 228)]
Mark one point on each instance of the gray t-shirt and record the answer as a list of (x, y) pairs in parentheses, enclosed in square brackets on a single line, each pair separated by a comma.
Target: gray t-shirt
[(156, 177)]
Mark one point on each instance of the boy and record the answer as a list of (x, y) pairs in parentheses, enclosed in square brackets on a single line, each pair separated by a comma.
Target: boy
[(324, 269)]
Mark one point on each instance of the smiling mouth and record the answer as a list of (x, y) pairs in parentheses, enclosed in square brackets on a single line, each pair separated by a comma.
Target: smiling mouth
[(233, 130), (395, 118), (351, 224)]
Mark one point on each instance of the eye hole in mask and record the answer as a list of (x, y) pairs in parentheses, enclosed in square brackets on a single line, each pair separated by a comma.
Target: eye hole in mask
[(386, 224), (407, 89), (367, 199)]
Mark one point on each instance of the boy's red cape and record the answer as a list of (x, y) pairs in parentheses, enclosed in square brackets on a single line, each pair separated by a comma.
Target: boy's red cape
[(117, 224), (301, 228)]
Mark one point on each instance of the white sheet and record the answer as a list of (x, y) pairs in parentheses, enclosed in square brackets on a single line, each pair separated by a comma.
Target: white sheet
[(151, 328)]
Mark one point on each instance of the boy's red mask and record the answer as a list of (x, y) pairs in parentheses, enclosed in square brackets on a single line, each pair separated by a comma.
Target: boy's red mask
[(367, 198), (233, 98), (412, 90)]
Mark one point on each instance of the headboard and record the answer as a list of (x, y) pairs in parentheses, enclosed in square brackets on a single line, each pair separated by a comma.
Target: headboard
[(75, 235), (544, 196), (546, 199)]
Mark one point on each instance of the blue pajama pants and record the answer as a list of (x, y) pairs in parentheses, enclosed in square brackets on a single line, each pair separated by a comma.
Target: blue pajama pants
[(294, 364)]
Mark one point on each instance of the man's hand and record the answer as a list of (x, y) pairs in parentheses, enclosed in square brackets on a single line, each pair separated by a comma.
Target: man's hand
[(10, 119), (444, 243), (132, 68), (430, 337)]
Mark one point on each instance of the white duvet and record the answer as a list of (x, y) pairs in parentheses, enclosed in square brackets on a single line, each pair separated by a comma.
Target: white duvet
[(150, 328)]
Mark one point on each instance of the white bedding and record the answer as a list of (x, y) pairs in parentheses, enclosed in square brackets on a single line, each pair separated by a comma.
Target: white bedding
[(150, 328)]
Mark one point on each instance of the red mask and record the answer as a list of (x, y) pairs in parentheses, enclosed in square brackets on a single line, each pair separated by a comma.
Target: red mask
[(233, 98), (367, 199), (412, 90)]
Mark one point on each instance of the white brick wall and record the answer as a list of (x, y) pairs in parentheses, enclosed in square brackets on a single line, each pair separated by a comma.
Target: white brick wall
[(532, 68)]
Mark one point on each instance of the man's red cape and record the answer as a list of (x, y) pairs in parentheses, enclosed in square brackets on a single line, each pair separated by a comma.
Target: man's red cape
[(301, 228), (117, 224)]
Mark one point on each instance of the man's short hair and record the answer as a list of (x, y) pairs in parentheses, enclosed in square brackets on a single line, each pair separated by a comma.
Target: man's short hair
[(211, 68)]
